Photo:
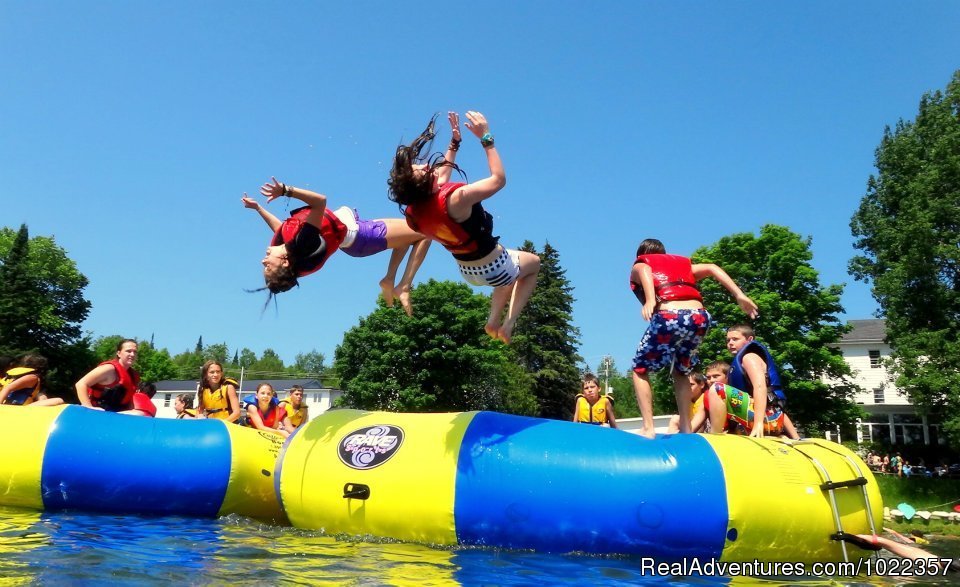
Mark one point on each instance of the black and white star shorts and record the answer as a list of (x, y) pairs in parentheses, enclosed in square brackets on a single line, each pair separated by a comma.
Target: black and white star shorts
[(503, 270)]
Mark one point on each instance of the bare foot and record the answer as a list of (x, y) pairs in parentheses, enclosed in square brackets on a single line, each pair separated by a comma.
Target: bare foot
[(651, 434), (505, 332), (402, 293), (386, 288), (492, 330)]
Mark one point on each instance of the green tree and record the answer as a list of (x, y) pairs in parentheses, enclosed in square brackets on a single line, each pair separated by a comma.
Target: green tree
[(216, 352), (545, 340), (268, 365), (188, 364), (247, 358), (154, 364), (799, 320), (908, 229), (311, 363), (105, 347), (438, 360), (42, 306)]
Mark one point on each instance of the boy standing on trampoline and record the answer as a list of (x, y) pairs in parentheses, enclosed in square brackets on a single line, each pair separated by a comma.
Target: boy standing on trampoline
[(666, 285)]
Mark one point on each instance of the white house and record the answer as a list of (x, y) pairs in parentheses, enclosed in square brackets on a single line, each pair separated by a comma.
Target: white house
[(319, 399), (890, 415)]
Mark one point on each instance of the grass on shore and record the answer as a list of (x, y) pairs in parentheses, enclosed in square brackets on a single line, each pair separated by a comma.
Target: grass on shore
[(922, 493)]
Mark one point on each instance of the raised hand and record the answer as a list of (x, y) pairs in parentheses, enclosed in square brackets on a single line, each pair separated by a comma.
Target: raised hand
[(748, 306), (249, 202), (273, 190), (477, 124), (454, 119)]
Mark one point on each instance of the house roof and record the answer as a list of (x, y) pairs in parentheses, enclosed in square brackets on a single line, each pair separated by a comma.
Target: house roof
[(247, 385), (872, 330)]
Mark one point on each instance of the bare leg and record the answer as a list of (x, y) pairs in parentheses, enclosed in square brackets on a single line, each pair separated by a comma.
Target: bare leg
[(644, 393), (386, 284), (718, 412), (52, 401), (789, 428), (402, 291), (674, 425), (523, 288), (498, 301), (681, 388)]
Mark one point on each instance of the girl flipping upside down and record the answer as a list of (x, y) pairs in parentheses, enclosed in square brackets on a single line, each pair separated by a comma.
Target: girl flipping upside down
[(452, 214), (303, 242)]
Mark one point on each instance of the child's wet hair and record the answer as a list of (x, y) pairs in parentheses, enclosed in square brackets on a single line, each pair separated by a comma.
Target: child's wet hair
[(651, 246)]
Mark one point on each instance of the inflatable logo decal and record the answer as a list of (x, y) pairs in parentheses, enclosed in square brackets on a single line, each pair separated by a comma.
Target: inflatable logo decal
[(370, 447)]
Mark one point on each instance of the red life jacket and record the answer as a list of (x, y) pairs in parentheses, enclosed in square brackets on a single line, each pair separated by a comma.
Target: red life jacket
[(273, 416), (119, 396), (332, 231), (673, 278), (142, 402), (469, 240)]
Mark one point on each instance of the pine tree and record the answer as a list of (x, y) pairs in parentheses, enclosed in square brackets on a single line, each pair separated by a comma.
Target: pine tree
[(545, 340), (20, 302)]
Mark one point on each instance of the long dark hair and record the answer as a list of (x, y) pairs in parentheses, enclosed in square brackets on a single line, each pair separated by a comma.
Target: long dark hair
[(407, 187)]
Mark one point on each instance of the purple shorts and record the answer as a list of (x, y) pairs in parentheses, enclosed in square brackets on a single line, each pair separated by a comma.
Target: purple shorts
[(371, 238)]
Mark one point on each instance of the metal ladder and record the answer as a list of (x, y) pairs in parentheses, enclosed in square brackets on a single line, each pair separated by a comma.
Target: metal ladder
[(830, 486)]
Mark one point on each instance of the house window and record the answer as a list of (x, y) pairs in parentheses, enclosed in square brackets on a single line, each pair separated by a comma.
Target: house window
[(874, 359), (166, 400), (878, 395)]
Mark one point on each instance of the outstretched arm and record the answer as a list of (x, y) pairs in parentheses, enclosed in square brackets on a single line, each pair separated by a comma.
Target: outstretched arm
[(272, 221), (317, 202), (701, 270), (443, 174), (463, 200)]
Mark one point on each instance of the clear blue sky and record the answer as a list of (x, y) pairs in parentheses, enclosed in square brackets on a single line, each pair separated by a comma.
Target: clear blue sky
[(129, 130)]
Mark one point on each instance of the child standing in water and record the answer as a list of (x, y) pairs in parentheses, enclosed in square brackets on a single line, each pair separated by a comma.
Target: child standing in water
[(666, 285), (453, 215)]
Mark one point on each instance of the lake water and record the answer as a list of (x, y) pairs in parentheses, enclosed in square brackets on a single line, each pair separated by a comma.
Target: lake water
[(72, 548)]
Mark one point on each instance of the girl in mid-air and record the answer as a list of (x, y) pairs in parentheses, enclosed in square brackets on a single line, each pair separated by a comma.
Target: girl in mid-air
[(303, 242), (452, 214)]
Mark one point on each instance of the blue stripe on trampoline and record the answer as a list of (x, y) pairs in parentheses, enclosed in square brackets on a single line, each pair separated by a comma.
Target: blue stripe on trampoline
[(563, 487), (132, 464)]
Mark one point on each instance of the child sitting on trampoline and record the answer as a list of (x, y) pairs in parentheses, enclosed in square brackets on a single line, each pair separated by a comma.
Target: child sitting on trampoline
[(733, 410)]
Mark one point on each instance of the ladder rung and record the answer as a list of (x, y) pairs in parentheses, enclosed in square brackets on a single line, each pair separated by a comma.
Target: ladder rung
[(837, 484)]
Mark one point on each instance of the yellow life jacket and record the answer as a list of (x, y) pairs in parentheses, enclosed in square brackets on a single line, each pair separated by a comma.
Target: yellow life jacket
[(189, 411), (595, 414), (15, 373), (296, 415), (696, 406), (216, 403)]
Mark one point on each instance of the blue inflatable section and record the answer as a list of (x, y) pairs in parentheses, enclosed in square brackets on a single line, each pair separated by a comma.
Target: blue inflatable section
[(170, 469), (520, 485)]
